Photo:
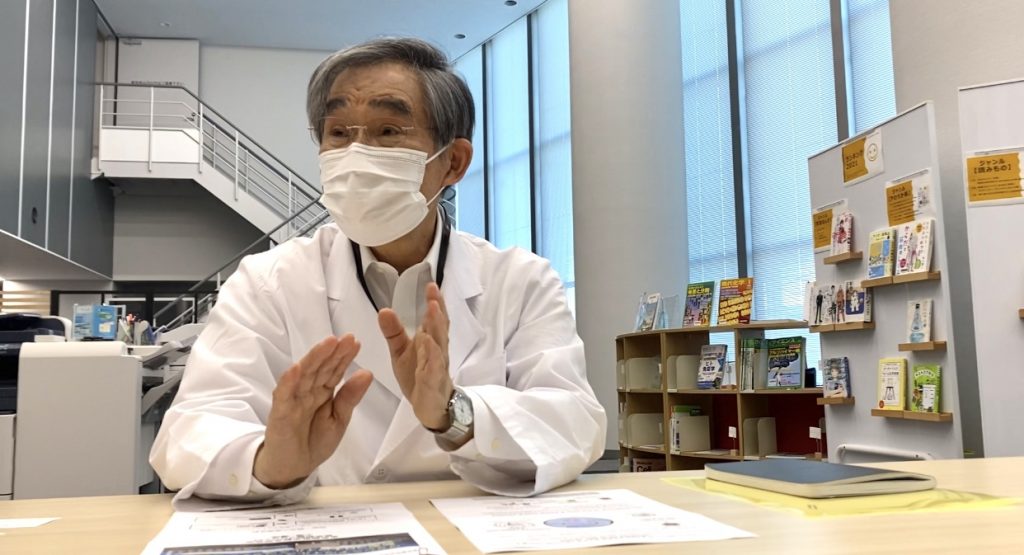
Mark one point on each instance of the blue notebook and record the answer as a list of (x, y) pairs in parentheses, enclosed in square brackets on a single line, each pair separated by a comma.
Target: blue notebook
[(815, 479)]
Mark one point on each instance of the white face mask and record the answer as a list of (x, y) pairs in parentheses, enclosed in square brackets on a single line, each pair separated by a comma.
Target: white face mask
[(373, 193)]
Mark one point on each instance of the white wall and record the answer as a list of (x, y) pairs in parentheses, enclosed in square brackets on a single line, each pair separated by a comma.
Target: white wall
[(629, 198), (938, 46), (263, 92), (174, 231)]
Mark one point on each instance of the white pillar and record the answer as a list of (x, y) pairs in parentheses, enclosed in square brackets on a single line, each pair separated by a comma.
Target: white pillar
[(939, 46), (629, 197)]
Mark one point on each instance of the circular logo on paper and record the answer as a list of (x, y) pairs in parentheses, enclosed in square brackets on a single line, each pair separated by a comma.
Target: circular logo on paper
[(578, 522), (872, 152)]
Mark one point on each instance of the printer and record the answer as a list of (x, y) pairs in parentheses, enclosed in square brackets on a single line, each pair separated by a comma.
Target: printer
[(16, 330)]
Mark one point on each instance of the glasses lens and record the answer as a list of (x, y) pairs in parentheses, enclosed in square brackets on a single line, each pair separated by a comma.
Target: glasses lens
[(340, 134)]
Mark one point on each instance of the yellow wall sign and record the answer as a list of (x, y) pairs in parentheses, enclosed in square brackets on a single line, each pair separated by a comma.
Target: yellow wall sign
[(822, 228), (993, 177), (854, 164), (899, 203)]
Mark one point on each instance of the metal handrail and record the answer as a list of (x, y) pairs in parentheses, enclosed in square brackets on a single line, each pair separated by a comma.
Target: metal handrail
[(207, 107)]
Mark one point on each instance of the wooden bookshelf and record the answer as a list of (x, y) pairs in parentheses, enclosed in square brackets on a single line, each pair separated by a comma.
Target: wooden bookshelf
[(912, 415), (800, 391), (926, 346), (641, 390), (836, 400), (916, 276), (845, 257), (761, 325), (702, 391), (643, 449), (876, 282), (822, 329), (848, 326), (701, 455)]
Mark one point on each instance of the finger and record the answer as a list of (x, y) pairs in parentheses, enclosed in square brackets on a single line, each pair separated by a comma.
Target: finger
[(434, 294), (284, 391), (394, 332), (327, 370), (343, 364), (312, 361), (351, 392)]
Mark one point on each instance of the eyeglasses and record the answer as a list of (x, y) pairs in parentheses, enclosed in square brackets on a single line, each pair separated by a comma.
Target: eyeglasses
[(337, 133)]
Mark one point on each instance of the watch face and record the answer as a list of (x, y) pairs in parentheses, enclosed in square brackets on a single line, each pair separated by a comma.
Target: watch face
[(462, 409)]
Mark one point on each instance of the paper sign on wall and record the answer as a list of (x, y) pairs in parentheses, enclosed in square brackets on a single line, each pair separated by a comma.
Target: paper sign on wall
[(821, 220), (994, 177), (862, 158), (909, 198)]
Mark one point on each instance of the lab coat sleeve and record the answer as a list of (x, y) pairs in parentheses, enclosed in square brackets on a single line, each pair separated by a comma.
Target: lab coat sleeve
[(545, 427), (210, 434)]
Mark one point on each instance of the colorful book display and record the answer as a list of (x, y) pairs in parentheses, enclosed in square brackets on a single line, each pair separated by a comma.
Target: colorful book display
[(735, 300), (836, 372), (842, 233), (712, 366), (914, 247), (925, 388), (892, 375), (699, 297), (786, 362), (880, 253)]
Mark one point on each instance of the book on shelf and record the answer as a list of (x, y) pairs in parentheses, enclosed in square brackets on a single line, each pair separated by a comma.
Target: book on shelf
[(699, 297), (892, 375), (836, 372), (786, 362), (919, 321), (817, 480), (880, 253), (925, 388), (821, 303), (856, 303), (842, 233), (647, 311), (735, 301), (914, 246), (753, 363), (712, 366)]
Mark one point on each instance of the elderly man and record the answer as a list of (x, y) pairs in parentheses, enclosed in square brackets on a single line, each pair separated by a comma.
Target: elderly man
[(388, 347)]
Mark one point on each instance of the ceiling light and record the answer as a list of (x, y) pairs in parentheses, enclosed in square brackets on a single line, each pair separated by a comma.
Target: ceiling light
[(460, 36), (510, 2)]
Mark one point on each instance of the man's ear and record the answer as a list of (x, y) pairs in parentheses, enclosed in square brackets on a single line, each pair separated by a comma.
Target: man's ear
[(460, 155)]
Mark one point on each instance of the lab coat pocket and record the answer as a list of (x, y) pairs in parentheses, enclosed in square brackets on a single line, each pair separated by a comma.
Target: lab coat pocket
[(487, 370)]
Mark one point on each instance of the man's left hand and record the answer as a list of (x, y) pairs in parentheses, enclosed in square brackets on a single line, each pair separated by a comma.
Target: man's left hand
[(421, 362)]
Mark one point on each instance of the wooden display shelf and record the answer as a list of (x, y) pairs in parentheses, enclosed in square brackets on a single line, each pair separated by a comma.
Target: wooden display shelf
[(704, 391), (800, 391), (911, 415), (846, 256), (656, 451), (640, 390), (916, 276), (700, 455), (822, 329), (760, 325), (836, 400), (926, 346), (848, 326)]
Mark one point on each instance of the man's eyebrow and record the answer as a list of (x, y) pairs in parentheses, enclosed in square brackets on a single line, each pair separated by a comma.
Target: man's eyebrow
[(392, 103), (335, 103)]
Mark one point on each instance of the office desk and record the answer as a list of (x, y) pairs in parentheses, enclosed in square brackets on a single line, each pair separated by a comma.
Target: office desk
[(124, 524)]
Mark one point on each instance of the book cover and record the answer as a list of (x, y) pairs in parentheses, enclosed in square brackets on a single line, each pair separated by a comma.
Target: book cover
[(925, 388), (735, 299), (837, 377), (786, 362), (919, 321), (822, 304), (699, 297), (712, 366), (842, 233), (880, 253), (647, 312), (856, 305), (816, 479), (892, 375), (753, 363), (914, 247)]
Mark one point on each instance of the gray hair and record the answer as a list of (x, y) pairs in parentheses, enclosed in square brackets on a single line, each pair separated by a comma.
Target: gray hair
[(449, 102)]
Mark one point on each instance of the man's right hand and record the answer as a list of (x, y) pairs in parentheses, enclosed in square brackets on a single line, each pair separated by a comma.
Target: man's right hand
[(307, 419)]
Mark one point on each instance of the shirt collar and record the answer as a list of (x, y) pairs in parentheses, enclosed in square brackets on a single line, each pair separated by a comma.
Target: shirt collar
[(370, 261)]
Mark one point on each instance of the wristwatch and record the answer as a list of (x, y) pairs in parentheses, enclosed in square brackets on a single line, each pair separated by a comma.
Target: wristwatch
[(460, 418)]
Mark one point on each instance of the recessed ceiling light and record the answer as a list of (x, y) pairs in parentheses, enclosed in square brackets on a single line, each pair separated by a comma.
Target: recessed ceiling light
[(510, 2), (460, 36), (165, 23)]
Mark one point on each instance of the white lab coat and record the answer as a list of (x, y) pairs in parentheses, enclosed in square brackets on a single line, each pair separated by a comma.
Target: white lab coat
[(513, 347)]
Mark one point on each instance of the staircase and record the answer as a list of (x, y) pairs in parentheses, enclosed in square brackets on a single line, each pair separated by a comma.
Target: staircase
[(166, 133)]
